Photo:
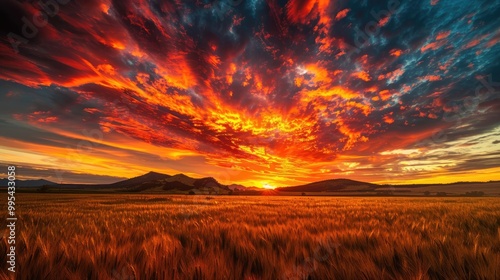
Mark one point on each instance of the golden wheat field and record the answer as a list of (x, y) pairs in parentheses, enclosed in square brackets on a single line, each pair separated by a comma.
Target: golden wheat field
[(85, 236)]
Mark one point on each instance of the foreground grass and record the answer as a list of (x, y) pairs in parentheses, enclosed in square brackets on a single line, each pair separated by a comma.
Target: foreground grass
[(191, 237)]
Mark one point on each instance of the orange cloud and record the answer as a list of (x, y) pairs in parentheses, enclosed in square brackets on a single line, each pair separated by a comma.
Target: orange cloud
[(443, 35), (362, 75), (385, 94), (431, 78), (433, 45), (396, 52), (388, 119), (383, 21), (342, 14), (298, 10), (392, 75)]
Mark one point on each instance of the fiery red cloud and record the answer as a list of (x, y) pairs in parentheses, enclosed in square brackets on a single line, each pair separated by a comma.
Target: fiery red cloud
[(253, 91)]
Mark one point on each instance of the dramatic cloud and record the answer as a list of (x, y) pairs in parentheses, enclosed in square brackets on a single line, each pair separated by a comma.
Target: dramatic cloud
[(252, 92)]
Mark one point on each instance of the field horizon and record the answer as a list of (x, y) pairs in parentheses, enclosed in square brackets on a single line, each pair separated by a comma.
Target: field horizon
[(154, 182)]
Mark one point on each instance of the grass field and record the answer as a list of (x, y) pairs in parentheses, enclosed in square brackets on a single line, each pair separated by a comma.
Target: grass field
[(71, 236)]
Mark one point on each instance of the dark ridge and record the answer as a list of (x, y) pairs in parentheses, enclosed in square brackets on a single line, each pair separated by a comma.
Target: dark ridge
[(27, 183), (208, 182), (132, 182), (329, 186)]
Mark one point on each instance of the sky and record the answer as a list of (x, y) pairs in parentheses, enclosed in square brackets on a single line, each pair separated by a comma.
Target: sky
[(260, 93)]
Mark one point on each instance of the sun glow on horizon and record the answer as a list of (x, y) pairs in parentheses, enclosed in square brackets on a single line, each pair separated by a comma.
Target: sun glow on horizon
[(268, 186), (272, 107)]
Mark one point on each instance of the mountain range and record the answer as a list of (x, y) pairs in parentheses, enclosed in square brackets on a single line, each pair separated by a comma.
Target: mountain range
[(154, 182), (334, 185), (27, 183)]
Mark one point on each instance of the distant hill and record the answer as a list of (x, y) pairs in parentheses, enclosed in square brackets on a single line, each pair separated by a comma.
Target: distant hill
[(351, 187), (241, 188), (491, 188), (148, 177), (154, 182), (237, 187), (334, 185), (27, 183), (182, 183)]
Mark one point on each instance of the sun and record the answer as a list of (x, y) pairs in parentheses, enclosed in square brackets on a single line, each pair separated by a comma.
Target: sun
[(268, 187)]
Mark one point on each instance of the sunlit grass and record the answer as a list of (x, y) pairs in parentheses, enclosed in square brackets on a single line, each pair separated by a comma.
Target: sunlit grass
[(192, 237)]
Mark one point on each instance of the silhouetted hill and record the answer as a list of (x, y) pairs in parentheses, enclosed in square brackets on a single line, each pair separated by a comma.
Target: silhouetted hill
[(334, 185), (237, 187), (27, 183), (181, 183), (154, 182), (148, 177)]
